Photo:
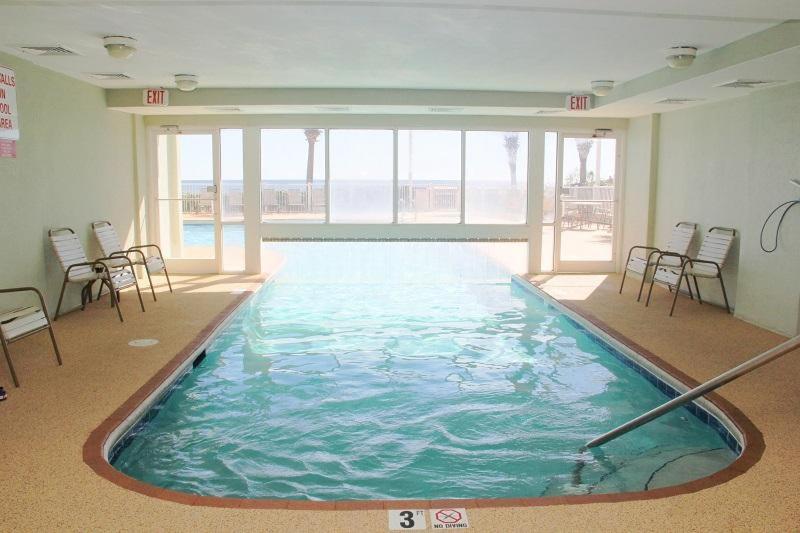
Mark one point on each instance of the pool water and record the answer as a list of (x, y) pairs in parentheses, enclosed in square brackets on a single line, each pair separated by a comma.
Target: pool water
[(202, 234), (409, 389)]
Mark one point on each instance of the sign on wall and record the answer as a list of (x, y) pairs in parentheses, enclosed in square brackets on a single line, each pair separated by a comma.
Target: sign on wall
[(157, 97), (579, 102), (9, 117)]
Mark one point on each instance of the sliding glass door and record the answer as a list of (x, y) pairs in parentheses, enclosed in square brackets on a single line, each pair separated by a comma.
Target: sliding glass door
[(586, 205)]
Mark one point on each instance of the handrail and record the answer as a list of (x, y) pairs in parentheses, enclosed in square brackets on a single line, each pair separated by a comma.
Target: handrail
[(726, 377)]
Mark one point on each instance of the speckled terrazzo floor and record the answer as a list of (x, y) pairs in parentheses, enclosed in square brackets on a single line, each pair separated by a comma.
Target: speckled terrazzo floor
[(45, 423)]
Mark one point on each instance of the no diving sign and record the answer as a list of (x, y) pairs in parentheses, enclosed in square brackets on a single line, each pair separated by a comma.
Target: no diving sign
[(445, 518), (449, 518)]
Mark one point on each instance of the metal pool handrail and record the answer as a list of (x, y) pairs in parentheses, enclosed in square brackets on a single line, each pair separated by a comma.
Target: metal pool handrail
[(726, 377)]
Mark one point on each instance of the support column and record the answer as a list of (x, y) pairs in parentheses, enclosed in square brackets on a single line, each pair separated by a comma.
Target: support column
[(252, 200), (535, 195)]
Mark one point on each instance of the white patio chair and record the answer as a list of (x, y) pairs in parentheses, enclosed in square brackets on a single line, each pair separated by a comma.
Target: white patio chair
[(709, 263), (111, 246), (679, 243), (23, 322), (78, 269)]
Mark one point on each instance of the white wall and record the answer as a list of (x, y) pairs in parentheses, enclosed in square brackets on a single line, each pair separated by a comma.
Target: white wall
[(640, 176), (728, 164), (74, 165)]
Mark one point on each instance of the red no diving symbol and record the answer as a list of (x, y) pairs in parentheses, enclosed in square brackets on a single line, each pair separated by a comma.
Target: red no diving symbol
[(448, 516)]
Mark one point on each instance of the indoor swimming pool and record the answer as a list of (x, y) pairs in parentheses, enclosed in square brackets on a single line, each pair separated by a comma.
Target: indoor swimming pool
[(368, 371)]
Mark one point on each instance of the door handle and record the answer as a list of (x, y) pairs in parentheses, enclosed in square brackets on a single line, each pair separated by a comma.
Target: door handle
[(212, 188)]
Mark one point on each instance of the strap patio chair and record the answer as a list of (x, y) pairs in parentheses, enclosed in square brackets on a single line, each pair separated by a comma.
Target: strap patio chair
[(111, 246), (708, 264), (679, 242), (23, 322), (78, 269)]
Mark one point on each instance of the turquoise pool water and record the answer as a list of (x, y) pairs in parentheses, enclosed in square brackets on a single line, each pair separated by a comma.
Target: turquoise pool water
[(408, 388), (202, 234)]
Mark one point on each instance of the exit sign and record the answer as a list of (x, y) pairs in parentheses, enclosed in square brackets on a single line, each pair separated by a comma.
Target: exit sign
[(158, 97), (579, 102)]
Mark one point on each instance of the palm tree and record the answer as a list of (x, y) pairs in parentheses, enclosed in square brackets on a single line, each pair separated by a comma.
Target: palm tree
[(584, 147), (511, 143)]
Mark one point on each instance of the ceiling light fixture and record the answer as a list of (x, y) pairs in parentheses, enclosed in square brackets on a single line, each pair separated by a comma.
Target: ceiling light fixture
[(602, 87), (119, 46), (681, 56), (186, 82)]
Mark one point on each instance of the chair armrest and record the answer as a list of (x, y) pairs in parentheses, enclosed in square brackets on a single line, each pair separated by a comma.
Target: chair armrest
[(691, 262), (125, 253), (143, 246), (113, 258), (27, 289)]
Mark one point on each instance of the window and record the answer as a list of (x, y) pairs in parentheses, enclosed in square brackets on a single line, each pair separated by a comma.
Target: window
[(362, 176), (293, 175), (429, 176), (496, 177)]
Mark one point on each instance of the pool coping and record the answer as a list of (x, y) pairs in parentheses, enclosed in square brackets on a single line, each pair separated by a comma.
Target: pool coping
[(100, 440)]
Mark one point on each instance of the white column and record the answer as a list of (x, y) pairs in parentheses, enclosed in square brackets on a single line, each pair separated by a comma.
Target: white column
[(252, 200), (535, 195)]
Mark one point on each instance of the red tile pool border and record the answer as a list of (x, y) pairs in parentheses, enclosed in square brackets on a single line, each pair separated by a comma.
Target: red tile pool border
[(753, 446)]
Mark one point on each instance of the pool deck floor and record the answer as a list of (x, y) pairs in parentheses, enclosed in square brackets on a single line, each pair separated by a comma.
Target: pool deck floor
[(45, 423)]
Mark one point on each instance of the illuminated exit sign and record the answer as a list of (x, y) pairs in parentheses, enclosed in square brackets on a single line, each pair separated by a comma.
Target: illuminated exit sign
[(157, 97), (579, 102)]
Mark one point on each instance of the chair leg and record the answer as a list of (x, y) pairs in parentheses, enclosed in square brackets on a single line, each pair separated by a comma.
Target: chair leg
[(169, 283), (650, 290), (150, 281), (641, 285), (100, 291), (113, 296), (8, 360), (697, 290), (724, 294), (55, 345), (624, 274), (60, 298), (677, 291), (689, 286), (139, 293)]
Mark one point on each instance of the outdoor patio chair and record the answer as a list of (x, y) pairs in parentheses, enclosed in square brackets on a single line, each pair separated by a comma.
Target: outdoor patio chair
[(111, 246), (709, 263), (679, 243), (23, 322), (78, 269)]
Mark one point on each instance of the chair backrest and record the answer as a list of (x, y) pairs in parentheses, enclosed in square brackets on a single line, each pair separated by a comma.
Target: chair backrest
[(107, 237), (69, 250), (716, 245), (681, 238)]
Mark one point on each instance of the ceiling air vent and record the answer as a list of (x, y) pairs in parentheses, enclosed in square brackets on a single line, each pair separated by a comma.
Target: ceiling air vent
[(444, 109), (47, 50), (224, 108), (678, 101), (747, 84), (548, 111), (334, 108), (108, 76)]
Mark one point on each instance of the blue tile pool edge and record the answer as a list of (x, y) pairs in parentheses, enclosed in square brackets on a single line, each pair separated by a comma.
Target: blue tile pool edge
[(669, 385)]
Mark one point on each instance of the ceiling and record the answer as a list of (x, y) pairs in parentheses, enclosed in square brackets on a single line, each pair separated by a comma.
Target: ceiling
[(554, 46)]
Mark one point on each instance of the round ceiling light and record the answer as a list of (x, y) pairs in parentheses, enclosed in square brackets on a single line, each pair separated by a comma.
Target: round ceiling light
[(119, 47), (602, 87), (681, 56), (186, 82)]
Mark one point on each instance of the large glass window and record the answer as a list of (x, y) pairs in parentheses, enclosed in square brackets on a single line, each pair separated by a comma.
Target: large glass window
[(496, 177), (362, 176), (293, 175), (429, 176)]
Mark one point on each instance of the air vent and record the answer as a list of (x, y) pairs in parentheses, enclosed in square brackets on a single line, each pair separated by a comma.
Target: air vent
[(678, 101), (224, 108), (47, 50), (548, 111), (444, 109), (334, 108), (747, 84), (108, 76)]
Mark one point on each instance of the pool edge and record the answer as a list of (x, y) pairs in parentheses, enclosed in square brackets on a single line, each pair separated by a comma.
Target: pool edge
[(101, 438)]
